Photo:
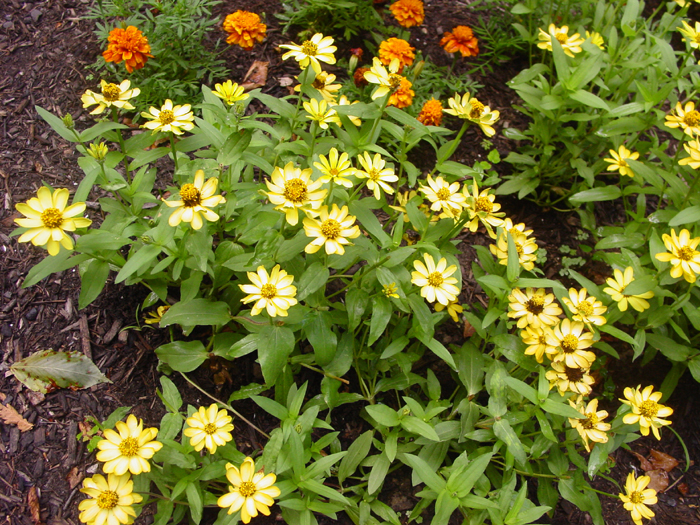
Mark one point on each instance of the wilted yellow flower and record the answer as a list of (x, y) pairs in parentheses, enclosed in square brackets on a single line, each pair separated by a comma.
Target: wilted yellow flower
[(376, 173), (692, 36), (618, 162), (389, 290), (244, 29), (568, 379), (453, 308), (482, 208), (195, 200), (646, 410), (638, 497), (596, 39), (589, 310), (686, 117), (435, 281), (335, 168), (48, 219), (130, 449), (591, 425), (445, 197), (469, 108), (570, 44), (525, 246), (112, 95), (292, 190), (431, 113), (399, 49), (250, 491), (318, 111), (230, 92), (323, 83), (176, 119), (388, 81), (209, 427), (408, 13), (684, 258), (110, 501), (155, 317), (616, 290), (319, 48), (571, 342), (535, 339), (331, 230), (273, 292), (533, 308), (403, 96), (692, 147)]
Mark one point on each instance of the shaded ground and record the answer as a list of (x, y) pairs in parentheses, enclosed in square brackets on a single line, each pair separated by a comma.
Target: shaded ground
[(44, 48)]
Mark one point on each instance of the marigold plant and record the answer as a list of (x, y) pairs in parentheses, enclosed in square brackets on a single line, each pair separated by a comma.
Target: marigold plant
[(461, 40), (245, 29), (408, 13), (129, 45)]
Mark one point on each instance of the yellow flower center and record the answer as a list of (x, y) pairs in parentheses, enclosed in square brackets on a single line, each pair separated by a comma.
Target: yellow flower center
[(484, 204), (518, 248), (373, 175), (637, 497), (477, 108), (210, 428), (319, 83), (562, 38), (685, 253), (309, 48), (52, 218), (573, 374), (395, 81), (443, 194), (111, 92), (591, 421), (435, 279), (389, 289), (295, 191), (333, 172), (535, 305), (692, 118), (190, 195), (649, 408), (247, 489), (585, 308), (268, 291), (569, 344), (129, 447), (330, 228), (107, 500), (166, 117)]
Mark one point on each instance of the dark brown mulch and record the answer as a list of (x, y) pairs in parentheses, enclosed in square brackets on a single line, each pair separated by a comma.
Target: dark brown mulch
[(44, 49)]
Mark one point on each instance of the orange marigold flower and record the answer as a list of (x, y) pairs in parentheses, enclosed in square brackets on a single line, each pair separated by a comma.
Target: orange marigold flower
[(244, 28), (129, 45), (359, 76), (431, 113), (396, 48), (403, 96), (408, 13), (461, 39)]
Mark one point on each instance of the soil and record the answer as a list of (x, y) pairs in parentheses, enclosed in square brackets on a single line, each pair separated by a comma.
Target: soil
[(45, 47)]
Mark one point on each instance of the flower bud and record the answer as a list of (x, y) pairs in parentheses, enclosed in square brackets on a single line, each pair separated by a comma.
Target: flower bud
[(68, 120), (98, 151)]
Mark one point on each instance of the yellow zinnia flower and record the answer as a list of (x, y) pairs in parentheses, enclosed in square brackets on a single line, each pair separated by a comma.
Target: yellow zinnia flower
[(535, 338), (692, 36), (571, 342), (616, 290), (453, 308), (483, 209), (110, 501), (469, 108), (323, 83), (318, 111), (376, 173), (533, 308), (292, 190), (48, 219), (195, 201), (435, 281), (250, 491), (684, 258), (591, 425), (388, 81), (618, 162), (97, 151), (130, 449), (155, 317), (588, 310), (331, 230), (112, 95), (596, 39), (209, 427), (176, 119), (686, 117), (692, 147), (568, 379), (335, 168), (311, 51), (646, 410), (273, 292), (445, 197), (389, 290), (638, 497), (524, 245), (570, 44), (230, 92)]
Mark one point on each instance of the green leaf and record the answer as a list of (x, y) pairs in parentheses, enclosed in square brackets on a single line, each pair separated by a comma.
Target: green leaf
[(197, 312), (418, 426), (381, 315), (357, 452), (366, 217), (98, 240), (183, 356), (396, 346), (52, 264), (523, 389), (93, 280), (171, 395), (560, 409), (445, 505), (317, 327), (462, 480), (607, 193), (47, 370), (57, 124), (505, 433), (247, 391), (470, 368), (275, 344), (378, 473), (383, 415), (140, 259), (687, 216), (313, 279), (589, 99), (439, 350), (668, 347), (425, 472), (195, 501), (233, 148)]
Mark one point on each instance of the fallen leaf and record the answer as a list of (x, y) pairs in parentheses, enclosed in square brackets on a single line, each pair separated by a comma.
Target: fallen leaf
[(11, 417), (659, 480), (33, 504), (256, 77), (643, 462), (682, 488), (3, 397), (659, 460), (74, 477), (286, 81), (469, 330)]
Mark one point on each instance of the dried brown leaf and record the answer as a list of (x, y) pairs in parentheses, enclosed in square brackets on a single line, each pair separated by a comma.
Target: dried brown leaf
[(659, 479), (256, 76), (469, 330), (660, 460), (682, 488), (11, 417), (643, 462), (33, 504), (74, 477)]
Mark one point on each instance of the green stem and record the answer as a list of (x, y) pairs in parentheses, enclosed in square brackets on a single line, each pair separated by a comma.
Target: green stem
[(122, 147), (452, 148), (172, 150), (330, 376), (685, 449), (601, 492), (385, 101)]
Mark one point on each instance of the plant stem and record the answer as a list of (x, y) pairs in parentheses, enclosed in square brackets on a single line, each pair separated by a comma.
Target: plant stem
[(172, 149), (122, 147)]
